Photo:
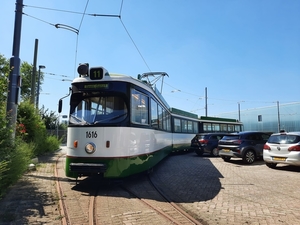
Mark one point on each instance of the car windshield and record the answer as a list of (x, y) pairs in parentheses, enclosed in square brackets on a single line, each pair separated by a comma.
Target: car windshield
[(200, 137), (88, 110), (284, 139), (230, 137)]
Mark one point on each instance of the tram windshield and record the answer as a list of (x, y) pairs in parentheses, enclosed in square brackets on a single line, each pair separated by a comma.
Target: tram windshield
[(91, 109)]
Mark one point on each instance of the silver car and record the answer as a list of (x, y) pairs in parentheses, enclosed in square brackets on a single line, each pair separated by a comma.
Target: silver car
[(282, 148)]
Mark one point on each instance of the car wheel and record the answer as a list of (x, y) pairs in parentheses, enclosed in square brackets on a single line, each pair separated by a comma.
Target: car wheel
[(199, 152), (226, 158), (271, 165), (214, 152), (249, 157)]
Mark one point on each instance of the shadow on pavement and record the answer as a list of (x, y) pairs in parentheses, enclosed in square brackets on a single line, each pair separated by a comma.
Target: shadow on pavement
[(184, 178)]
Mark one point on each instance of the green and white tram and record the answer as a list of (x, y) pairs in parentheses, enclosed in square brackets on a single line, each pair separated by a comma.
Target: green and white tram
[(119, 126)]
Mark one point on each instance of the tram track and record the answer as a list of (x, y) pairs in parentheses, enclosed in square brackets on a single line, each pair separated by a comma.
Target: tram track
[(138, 200), (92, 214), (63, 210), (71, 206), (162, 204)]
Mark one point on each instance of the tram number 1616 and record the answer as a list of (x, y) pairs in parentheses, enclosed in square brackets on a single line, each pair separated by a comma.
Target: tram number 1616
[(91, 134)]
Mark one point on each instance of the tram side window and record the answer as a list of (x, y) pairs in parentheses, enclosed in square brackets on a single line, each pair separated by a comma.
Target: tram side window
[(230, 128), (207, 127), (177, 125), (223, 127), (184, 126), (168, 121), (164, 119), (154, 119), (216, 127), (190, 126), (160, 117), (237, 128), (139, 107), (195, 126)]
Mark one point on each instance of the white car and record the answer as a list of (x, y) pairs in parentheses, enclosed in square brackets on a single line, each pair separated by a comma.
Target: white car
[(283, 147)]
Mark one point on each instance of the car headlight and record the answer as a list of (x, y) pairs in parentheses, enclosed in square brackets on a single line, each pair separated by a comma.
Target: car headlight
[(90, 148)]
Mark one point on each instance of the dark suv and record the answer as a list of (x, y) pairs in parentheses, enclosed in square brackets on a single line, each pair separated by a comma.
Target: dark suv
[(247, 145), (206, 143)]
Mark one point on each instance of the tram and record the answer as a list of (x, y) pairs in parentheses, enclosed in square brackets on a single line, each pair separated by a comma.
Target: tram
[(209, 124), (119, 125)]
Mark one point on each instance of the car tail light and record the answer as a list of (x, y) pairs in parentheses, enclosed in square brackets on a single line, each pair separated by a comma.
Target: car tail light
[(267, 147), (203, 141), (294, 148)]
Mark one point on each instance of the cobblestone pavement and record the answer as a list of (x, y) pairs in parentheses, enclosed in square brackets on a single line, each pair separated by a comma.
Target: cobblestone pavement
[(33, 200), (214, 191), (219, 192)]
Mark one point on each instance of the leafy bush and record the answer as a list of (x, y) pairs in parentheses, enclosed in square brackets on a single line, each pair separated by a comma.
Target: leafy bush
[(15, 164), (20, 160), (51, 144), (35, 130), (31, 135), (3, 175)]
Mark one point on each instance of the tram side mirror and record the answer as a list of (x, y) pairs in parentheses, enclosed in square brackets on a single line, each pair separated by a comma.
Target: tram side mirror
[(60, 105)]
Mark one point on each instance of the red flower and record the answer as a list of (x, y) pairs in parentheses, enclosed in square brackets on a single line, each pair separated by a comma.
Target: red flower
[(22, 128)]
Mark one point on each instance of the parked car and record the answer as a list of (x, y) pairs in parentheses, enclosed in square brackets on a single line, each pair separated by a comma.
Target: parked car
[(247, 145), (206, 143), (283, 148)]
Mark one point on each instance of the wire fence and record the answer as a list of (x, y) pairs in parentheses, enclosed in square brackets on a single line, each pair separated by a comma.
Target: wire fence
[(60, 134)]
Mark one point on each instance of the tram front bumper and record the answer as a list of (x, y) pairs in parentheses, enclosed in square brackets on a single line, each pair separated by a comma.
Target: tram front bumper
[(87, 168)]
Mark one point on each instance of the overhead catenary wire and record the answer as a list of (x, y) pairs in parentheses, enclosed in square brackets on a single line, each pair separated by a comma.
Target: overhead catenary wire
[(54, 74), (135, 45), (125, 28), (78, 30), (77, 37), (128, 33), (119, 16), (73, 12)]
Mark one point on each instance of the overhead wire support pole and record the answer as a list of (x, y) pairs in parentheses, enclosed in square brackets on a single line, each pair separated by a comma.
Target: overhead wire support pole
[(33, 77), (14, 88), (205, 101), (278, 115)]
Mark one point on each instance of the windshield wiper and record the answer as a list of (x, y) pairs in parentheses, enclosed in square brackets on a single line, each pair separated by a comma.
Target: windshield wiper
[(79, 121), (110, 118)]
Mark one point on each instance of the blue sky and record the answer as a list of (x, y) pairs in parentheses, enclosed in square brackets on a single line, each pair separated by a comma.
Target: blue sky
[(245, 51)]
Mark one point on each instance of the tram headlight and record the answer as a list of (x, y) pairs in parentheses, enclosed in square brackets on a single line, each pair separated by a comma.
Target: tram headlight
[(90, 148)]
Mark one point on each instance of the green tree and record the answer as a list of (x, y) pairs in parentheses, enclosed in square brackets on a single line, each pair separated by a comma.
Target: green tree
[(50, 118), (33, 129), (4, 71), (5, 134), (26, 72)]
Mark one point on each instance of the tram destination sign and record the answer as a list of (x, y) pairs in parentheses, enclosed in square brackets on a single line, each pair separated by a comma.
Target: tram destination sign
[(95, 86)]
